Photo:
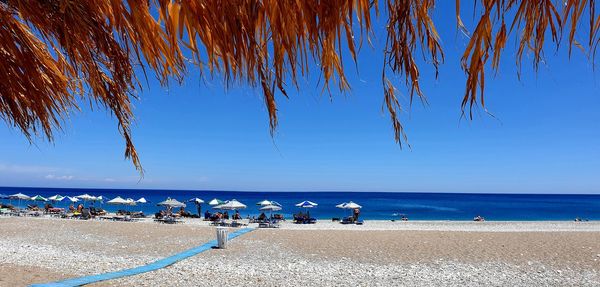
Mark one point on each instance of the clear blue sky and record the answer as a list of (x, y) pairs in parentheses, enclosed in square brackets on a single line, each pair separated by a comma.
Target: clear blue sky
[(546, 138)]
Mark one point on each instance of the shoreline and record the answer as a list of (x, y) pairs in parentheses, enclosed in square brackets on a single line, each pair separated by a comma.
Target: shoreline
[(388, 225)]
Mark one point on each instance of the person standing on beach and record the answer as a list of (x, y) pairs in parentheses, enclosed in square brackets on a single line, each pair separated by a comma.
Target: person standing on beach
[(199, 209)]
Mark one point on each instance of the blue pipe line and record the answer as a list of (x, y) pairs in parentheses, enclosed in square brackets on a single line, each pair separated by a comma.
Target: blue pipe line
[(141, 269)]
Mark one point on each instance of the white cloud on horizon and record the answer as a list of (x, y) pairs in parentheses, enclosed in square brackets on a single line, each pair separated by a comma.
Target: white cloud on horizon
[(61, 177), (12, 168)]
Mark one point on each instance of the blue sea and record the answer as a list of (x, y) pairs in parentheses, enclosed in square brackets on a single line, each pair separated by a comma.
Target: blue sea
[(376, 205)]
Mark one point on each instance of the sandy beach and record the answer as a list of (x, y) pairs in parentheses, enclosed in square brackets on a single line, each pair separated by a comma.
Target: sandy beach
[(379, 253)]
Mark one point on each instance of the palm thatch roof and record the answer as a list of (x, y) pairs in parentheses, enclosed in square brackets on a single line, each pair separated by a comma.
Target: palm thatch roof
[(54, 51)]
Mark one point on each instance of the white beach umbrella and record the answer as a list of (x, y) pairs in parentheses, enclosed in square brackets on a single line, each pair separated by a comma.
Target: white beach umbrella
[(231, 205), (215, 202), (264, 203), (171, 202), (306, 204), (39, 198), (141, 200), (72, 199), (118, 200), (56, 198), (196, 200), (348, 205), (86, 197), (270, 208), (19, 196), (121, 201), (268, 202), (352, 205)]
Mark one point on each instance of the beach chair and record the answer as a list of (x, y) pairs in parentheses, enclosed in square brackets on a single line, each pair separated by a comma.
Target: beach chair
[(348, 220), (34, 213), (269, 224), (171, 220), (138, 214)]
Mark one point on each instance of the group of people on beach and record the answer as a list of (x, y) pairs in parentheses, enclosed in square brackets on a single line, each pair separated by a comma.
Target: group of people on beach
[(221, 215)]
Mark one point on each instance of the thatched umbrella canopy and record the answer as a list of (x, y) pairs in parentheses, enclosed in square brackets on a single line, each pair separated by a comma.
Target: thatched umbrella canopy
[(53, 51)]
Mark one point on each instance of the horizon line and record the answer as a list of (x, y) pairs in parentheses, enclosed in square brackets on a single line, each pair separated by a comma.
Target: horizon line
[(297, 191)]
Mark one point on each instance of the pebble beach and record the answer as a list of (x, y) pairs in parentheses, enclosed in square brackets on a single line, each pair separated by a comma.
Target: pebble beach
[(378, 253)]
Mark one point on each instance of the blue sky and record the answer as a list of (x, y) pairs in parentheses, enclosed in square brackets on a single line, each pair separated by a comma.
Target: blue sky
[(545, 137)]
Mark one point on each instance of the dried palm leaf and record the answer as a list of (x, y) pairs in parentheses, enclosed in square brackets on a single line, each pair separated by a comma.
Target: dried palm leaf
[(409, 24), (52, 51)]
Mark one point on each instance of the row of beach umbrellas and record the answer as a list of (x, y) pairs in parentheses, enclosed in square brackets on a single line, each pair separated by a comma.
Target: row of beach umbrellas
[(84, 197), (265, 205), (56, 198)]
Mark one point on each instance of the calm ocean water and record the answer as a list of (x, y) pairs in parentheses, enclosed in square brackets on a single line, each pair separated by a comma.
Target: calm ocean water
[(376, 205)]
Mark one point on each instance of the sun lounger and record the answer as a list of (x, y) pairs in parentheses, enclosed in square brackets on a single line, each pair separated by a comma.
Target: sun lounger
[(55, 210), (239, 222), (269, 225), (168, 220), (138, 214), (33, 213), (348, 220)]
